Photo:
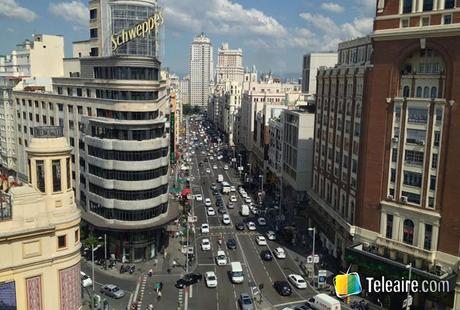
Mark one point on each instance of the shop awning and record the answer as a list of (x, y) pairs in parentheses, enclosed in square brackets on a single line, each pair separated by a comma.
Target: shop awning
[(186, 191)]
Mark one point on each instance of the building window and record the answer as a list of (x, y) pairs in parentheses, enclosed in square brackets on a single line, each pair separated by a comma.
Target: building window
[(40, 169), (426, 92), (394, 155), (31, 130), (37, 118), (427, 5), (406, 91), (79, 92), (70, 108), (44, 119), (425, 21), (412, 178), (80, 109), (389, 228), (408, 232), (77, 235), (93, 14), (411, 197), (418, 115), (30, 117), (414, 157), (36, 104), (56, 164), (407, 6), (94, 51), (437, 137), (69, 168), (447, 19), (428, 237), (51, 106), (62, 242), (449, 4), (30, 103), (393, 175), (404, 22), (419, 92), (434, 161), (93, 33), (60, 107), (433, 182), (51, 121)]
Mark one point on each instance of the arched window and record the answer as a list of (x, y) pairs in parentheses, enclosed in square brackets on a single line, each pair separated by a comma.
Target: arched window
[(419, 92), (406, 91), (426, 92), (434, 93), (408, 231)]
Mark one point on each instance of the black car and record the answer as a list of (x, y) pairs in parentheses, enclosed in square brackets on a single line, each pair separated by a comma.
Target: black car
[(215, 192), (239, 226), (283, 288), (188, 280), (266, 255), (231, 244)]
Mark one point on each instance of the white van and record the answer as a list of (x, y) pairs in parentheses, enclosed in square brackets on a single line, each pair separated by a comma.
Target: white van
[(237, 272), (324, 302), (244, 210), (225, 187), (220, 178)]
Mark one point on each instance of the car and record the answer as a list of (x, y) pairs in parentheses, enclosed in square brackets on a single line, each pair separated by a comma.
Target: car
[(211, 279), (245, 302), (260, 240), (244, 194), (205, 245), (211, 211), (207, 169), (233, 198), (112, 290), (85, 279), (211, 157), (232, 188), (204, 228), (198, 197), (225, 167), (261, 221), (239, 226), (215, 192), (297, 280), (279, 253), (230, 205), (253, 209), (188, 279), (221, 258), (271, 235), (221, 209), (266, 255), (214, 167), (213, 186), (247, 199), (251, 226), (283, 288), (231, 244), (207, 202), (226, 219)]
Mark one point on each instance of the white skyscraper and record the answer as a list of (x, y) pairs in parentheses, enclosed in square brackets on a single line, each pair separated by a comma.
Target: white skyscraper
[(200, 70), (229, 65)]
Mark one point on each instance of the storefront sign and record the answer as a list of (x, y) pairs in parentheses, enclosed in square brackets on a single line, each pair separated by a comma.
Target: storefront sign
[(137, 31)]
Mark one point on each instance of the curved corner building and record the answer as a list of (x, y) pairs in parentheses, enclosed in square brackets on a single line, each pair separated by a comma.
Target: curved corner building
[(115, 112)]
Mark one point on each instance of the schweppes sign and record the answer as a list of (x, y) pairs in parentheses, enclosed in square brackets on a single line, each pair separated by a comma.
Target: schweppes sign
[(137, 31)]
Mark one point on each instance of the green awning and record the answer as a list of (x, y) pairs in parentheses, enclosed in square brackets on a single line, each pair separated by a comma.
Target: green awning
[(174, 190)]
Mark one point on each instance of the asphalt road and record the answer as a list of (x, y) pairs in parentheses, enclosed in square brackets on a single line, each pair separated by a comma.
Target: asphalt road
[(256, 271)]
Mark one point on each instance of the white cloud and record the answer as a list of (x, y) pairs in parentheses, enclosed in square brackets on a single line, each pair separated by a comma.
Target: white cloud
[(333, 7), (10, 8), (365, 7), (73, 11)]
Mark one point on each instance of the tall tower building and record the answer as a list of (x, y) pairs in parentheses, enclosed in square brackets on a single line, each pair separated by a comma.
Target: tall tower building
[(311, 63), (40, 231), (115, 112), (200, 70), (404, 185), (229, 65)]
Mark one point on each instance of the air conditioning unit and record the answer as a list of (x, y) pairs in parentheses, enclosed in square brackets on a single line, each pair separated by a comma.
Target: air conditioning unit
[(422, 143), (395, 139), (403, 198), (390, 197)]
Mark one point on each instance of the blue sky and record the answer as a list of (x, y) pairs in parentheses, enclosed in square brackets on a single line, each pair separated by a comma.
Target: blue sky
[(274, 34)]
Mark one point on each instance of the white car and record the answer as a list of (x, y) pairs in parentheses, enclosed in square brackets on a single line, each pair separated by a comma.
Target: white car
[(221, 258), (204, 228), (225, 167), (260, 240), (207, 202), (226, 219), (205, 245), (253, 210), (271, 235), (211, 211), (198, 197), (85, 280), (230, 205), (233, 198), (261, 221), (208, 170), (214, 167), (244, 194), (279, 253), (211, 279), (297, 281), (251, 226), (211, 157), (247, 199)]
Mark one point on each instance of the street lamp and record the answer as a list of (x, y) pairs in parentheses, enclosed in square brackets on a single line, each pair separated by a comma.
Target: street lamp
[(105, 250), (239, 155), (261, 177), (408, 291), (314, 235), (93, 249)]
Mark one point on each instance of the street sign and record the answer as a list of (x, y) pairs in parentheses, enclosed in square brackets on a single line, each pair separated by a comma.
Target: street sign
[(322, 274), (311, 259), (405, 302)]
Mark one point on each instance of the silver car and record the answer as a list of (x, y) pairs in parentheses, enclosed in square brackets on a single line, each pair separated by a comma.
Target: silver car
[(112, 291), (245, 302)]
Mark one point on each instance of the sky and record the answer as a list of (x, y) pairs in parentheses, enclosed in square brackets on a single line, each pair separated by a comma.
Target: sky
[(274, 34)]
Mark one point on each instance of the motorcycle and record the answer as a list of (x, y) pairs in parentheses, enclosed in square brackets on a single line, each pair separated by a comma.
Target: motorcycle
[(132, 269)]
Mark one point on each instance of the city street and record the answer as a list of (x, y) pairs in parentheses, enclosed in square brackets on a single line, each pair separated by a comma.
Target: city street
[(256, 271)]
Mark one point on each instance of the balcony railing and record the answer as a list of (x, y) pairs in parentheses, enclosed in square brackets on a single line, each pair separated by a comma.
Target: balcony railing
[(6, 210), (48, 132)]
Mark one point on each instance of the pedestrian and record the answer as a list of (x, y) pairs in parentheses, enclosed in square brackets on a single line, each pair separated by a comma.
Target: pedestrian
[(174, 263), (159, 295)]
